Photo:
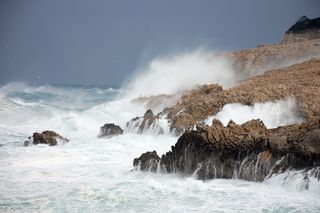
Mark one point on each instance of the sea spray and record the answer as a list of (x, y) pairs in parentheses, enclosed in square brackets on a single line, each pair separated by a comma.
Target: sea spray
[(173, 73), (273, 114)]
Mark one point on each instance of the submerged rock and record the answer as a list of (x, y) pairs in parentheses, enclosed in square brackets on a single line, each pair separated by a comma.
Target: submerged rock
[(110, 130), (249, 151), (46, 137)]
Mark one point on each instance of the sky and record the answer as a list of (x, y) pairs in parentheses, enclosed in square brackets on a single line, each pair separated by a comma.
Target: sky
[(104, 41)]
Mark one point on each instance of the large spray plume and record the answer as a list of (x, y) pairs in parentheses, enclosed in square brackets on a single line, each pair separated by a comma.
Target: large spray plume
[(273, 114), (183, 71)]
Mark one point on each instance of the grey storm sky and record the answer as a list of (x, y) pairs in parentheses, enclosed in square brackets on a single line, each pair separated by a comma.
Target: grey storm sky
[(102, 42)]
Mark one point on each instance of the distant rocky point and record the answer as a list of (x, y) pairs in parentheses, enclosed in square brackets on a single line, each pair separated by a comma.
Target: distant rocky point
[(303, 29)]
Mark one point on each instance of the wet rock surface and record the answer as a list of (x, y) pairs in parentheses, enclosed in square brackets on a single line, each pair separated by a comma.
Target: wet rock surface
[(147, 161), (249, 151), (145, 123), (46, 137), (110, 130)]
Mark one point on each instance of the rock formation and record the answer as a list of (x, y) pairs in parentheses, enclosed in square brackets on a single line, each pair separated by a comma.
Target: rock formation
[(304, 29), (46, 137), (110, 130), (145, 123), (249, 151), (301, 81), (273, 72)]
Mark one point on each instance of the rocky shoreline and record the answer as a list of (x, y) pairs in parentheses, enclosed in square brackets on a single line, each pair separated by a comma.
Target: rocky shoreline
[(249, 151)]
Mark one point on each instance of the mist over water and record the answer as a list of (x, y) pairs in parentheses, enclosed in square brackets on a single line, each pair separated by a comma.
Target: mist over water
[(96, 175), (182, 71)]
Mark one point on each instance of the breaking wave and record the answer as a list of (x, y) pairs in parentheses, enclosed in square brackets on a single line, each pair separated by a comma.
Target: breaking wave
[(273, 114), (183, 71)]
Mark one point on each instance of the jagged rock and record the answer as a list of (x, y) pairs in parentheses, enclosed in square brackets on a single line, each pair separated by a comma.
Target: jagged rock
[(145, 123), (148, 119), (109, 130), (304, 24), (249, 151), (147, 161), (46, 137), (181, 122), (303, 29)]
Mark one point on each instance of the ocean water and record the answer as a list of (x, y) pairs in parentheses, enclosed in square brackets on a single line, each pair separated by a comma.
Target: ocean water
[(96, 175)]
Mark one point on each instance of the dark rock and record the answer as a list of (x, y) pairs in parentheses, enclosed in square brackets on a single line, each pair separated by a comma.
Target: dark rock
[(142, 124), (148, 119), (305, 24), (46, 137), (147, 161), (249, 151), (148, 113), (303, 29), (110, 130)]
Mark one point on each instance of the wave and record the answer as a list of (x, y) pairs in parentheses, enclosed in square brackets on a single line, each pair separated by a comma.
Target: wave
[(183, 71), (62, 96)]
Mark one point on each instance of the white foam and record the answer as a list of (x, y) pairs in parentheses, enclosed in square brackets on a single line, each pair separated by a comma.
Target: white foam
[(273, 114)]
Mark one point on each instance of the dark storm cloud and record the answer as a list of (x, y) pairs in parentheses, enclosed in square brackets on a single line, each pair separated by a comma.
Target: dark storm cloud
[(101, 42)]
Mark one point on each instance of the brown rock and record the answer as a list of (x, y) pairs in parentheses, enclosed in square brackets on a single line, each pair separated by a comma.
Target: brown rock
[(301, 81), (249, 151), (46, 137)]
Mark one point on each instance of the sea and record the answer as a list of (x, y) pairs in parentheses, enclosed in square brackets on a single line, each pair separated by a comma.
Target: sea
[(91, 174)]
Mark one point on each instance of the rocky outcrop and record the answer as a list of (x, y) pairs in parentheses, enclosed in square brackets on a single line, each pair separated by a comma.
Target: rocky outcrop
[(304, 29), (249, 151), (147, 161), (301, 81), (146, 123), (46, 137), (110, 130), (266, 73)]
